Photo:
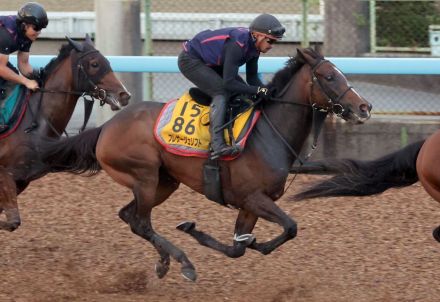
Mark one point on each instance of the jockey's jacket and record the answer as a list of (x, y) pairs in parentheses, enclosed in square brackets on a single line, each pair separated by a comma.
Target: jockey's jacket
[(208, 45), (11, 38), (234, 45)]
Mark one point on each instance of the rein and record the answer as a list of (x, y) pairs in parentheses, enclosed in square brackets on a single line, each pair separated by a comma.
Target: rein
[(319, 113)]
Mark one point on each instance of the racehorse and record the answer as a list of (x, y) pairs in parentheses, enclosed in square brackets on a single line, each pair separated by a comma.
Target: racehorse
[(125, 147), (418, 161), (79, 69)]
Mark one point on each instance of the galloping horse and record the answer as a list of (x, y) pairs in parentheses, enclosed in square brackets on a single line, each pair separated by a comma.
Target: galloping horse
[(419, 161), (79, 69), (125, 147)]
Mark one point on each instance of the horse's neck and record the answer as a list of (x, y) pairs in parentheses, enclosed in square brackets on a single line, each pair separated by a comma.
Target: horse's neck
[(292, 122), (57, 108)]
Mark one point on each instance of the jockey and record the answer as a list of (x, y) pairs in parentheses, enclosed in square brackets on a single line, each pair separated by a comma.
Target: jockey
[(17, 34), (211, 60)]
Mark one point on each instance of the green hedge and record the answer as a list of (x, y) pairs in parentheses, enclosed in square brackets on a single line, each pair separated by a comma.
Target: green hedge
[(405, 23)]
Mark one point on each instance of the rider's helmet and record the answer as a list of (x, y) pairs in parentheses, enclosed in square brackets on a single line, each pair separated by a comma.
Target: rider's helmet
[(269, 25), (33, 13)]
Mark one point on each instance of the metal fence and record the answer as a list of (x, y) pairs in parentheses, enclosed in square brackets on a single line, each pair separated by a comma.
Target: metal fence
[(387, 29), (345, 29)]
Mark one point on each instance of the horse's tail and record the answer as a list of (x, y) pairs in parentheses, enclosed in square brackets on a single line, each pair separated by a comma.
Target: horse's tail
[(361, 178), (74, 154)]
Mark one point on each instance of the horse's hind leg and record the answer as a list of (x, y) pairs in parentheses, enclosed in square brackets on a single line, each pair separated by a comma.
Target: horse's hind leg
[(8, 202), (242, 238)]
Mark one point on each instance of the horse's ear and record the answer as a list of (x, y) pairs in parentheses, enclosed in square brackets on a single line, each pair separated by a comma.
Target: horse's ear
[(89, 40), (78, 46), (318, 49), (300, 55)]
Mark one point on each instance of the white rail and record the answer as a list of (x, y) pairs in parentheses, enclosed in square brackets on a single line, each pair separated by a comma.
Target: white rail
[(176, 26)]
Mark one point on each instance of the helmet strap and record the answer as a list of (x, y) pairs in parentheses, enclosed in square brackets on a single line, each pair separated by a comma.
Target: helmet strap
[(22, 27)]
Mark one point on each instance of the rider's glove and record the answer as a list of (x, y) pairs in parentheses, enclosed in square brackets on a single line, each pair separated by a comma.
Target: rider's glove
[(37, 75), (264, 93)]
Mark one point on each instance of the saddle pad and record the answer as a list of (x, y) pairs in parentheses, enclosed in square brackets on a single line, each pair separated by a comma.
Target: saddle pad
[(8, 105), (13, 108), (182, 128)]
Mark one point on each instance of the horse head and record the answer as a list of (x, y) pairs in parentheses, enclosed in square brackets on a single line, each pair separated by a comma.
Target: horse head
[(94, 76), (330, 90)]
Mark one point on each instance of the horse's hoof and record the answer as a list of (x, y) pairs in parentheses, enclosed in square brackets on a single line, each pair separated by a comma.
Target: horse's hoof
[(186, 226), (9, 226), (189, 274), (124, 216), (262, 248), (161, 269), (436, 233)]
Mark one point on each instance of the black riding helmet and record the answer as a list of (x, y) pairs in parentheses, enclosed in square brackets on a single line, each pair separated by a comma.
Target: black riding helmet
[(33, 13), (268, 24)]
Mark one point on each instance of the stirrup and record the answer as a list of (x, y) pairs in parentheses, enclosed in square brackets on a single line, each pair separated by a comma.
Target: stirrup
[(227, 150)]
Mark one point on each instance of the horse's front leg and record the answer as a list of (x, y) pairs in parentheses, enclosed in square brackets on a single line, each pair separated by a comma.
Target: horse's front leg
[(138, 215), (263, 206), (163, 265), (8, 202), (242, 238)]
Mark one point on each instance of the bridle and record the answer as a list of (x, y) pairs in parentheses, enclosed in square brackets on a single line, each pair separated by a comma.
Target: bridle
[(334, 105), (319, 112), (94, 93)]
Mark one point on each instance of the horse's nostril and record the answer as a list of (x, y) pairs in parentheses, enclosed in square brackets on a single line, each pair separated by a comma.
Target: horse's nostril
[(365, 107), (125, 96)]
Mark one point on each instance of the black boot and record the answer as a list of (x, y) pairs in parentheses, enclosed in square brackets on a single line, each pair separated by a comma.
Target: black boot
[(216, 120)]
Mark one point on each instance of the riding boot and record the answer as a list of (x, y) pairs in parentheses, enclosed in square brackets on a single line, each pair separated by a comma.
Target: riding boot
[(216, 120)]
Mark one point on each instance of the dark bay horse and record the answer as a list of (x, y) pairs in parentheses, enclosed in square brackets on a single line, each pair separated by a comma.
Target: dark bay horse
[(419, 161), (79, 69), (126, 149)]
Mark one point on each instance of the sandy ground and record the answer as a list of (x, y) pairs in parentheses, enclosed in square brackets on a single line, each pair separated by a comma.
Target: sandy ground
[(73, 247)]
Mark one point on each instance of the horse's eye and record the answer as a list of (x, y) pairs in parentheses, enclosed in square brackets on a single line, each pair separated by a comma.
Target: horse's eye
[(329, 78), (95, 64)]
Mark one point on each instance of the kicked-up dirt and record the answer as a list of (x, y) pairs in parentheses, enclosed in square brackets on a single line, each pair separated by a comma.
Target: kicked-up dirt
[(73, 247)]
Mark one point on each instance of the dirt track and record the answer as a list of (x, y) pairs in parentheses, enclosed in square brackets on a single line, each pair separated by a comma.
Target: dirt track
[(72, 247)]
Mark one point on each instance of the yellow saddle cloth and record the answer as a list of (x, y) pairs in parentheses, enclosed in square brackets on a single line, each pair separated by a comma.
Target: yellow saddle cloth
[(182, 128)]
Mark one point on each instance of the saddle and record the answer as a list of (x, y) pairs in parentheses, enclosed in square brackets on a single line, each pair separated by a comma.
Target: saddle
[(182, 128), (236, 103)]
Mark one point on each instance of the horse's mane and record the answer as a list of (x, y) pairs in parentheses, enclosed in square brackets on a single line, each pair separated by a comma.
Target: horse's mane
[(63, 53), (283, 76)]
